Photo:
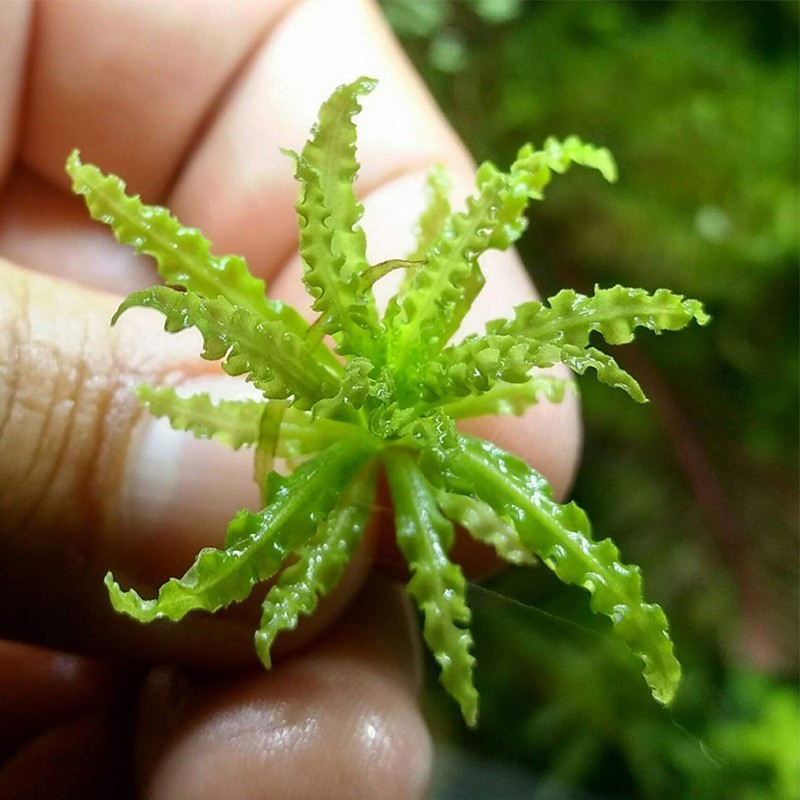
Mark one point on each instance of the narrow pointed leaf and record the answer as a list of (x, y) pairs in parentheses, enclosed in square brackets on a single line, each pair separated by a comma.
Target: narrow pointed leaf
[(431, 304), (319, 566), (561, 537), (607, 370), (331, 151), (183, 254), (536, 167), (615, 313), (437, 186), (437, 584), (272, 357), (232, 422), (377, 271), (485, 525), (332, 244), (256, 544), (268, 436)]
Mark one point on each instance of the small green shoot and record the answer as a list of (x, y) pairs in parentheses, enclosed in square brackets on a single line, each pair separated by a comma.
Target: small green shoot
[(387, 397)]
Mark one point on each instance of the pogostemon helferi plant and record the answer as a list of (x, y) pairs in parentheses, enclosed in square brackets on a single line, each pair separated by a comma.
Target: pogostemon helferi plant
[(388, 397)]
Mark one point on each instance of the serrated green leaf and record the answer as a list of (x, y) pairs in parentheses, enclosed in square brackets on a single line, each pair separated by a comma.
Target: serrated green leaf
[(331, 151), (580, 359), (319, 566), (530, 173), (183, 254), (510, 398), (273, 358), (332, 244), (559, 330), (485, 525), (561, 537), (615, 313), (256, 544), (426, 313), (431, 304), (437, 584), (556, 156), (437, 210), (232, 422)]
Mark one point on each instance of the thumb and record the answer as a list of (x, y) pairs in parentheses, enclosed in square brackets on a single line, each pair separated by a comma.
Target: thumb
[(89, 482)]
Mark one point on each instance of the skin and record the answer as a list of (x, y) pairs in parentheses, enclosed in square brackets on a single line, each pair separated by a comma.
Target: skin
[(189, 103)]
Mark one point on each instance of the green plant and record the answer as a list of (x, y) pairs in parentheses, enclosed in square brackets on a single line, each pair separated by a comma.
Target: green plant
[(388, 397)]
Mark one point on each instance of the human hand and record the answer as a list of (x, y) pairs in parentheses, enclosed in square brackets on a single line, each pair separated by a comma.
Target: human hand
[(189, 103)]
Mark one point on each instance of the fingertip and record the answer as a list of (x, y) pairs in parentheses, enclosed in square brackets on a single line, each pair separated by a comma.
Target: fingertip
[(338, 721)]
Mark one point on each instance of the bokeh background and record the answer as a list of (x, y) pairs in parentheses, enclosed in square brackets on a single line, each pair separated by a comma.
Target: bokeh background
[(699, 103)]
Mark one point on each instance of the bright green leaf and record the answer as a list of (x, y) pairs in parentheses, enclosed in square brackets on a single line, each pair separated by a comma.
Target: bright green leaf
[(437, 584), (561, 537), (485, 525), (615, 313), (256, 544), (437, 210), (232, 422), (332, 243), (183, 254), (319, 566), (272, 358)]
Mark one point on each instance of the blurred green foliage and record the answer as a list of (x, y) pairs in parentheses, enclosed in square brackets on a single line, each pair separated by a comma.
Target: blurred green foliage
[(699, 104)]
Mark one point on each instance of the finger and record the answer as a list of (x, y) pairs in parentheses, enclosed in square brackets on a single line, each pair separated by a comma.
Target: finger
[(62, 725), (72, 761), (39, 688), (141, 85), (15, 21), (133, 97), (339, 721), (214, 115)]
